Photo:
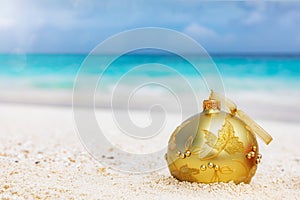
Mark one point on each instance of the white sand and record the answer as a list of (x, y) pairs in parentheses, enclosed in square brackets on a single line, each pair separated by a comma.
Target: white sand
[(41, 157)]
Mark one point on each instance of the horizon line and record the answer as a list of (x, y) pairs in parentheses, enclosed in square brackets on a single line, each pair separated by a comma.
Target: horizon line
[(162, 54)]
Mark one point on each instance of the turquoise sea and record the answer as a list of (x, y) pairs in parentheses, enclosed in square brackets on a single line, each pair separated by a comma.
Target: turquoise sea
[(30, 77), (56, 70)]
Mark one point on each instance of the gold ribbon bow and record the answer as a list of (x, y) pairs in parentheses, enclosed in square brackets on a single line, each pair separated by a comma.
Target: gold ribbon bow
[(252, 125)]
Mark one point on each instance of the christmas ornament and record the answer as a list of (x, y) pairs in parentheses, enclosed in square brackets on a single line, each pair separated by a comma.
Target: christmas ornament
[(216, 146)]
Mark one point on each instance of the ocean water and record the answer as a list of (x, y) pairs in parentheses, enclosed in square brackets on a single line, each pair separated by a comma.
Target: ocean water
[(30, 77)]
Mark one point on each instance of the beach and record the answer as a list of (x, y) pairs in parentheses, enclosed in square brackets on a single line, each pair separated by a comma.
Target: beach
[(41, 157), (101, 99)]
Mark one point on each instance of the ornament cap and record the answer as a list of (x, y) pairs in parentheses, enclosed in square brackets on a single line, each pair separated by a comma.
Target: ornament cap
[(211, 104)]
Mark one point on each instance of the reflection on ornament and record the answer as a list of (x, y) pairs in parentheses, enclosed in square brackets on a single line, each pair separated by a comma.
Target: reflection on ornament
[(216, 146)]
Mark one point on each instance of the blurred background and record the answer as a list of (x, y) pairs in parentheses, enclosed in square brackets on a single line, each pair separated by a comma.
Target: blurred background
[(255, 45)]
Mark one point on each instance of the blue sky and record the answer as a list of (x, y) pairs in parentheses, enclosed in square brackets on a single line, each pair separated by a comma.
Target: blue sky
[(75, 26)]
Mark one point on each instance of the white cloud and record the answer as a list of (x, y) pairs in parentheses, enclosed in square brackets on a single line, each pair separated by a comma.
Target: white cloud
[(6, 23), (77, 25), (290, 19), (7, 15), (208, 37), (254, 18), (199, 32)]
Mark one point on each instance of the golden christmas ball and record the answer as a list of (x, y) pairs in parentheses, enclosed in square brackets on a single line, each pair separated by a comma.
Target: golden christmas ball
[(216, 146)]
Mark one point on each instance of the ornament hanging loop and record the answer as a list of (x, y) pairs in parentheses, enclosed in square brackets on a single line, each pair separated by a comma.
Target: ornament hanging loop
[(252, 125)]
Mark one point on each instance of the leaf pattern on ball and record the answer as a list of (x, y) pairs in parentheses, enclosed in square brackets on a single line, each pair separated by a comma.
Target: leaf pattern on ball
[(186, 173), (196, 150), (234, 146), (226, 170), (211, 139), (223, 170), (226, 139), (188, 143)]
